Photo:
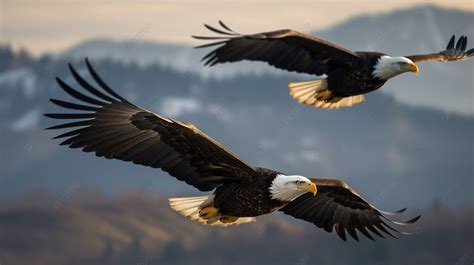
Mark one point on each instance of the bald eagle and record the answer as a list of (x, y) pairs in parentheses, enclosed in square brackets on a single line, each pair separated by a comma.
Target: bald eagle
[(343, 75), (112, 127)]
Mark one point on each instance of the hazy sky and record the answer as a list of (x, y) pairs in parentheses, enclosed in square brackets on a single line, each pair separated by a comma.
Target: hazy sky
[(49, 25)]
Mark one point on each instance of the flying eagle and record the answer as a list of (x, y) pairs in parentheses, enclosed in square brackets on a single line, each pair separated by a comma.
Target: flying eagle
[(110, 126), (343, 75)]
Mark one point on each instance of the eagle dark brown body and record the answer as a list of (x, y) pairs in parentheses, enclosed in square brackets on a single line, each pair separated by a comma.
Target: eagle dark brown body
[(252, 199), (357, 77)]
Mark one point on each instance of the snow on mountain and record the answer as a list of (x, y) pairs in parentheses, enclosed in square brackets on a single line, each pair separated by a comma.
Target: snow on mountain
[(22, 78), (27, 121)]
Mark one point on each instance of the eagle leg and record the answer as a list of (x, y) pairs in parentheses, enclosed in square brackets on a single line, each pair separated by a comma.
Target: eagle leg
[(332, 99), (208, 212), (323, 95), (228, 219)]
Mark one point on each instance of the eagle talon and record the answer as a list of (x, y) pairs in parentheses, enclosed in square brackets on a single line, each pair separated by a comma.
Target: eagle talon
[(228, 219), (324, 96), (329, 99), (208, 212)]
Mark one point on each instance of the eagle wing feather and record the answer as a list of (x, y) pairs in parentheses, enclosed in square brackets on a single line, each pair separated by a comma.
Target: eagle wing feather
[(284, 49), (336, 205), (452, 53), (112, 127)]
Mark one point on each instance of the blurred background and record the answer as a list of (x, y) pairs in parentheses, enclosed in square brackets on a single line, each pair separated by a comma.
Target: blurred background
[(410, 145)]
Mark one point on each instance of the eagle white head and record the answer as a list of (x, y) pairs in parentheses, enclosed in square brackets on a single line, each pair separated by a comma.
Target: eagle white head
[(288, 188), (388, 67)]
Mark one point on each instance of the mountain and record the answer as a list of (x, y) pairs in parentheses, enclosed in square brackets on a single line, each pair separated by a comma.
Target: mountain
[(86, 227), (179, 57), (423, 29), (395, 155)]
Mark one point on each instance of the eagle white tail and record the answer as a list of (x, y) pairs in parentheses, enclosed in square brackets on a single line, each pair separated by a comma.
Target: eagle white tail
[(190, 207), (316, 93)]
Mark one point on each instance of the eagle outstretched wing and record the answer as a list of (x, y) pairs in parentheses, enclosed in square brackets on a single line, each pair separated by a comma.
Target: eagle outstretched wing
[(284, 49), (337, 206), (452, 53), (112, 127)]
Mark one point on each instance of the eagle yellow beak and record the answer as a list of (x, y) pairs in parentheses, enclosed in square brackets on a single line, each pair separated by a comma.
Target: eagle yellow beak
[(414, 68), (308, 187)]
